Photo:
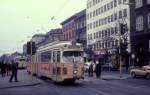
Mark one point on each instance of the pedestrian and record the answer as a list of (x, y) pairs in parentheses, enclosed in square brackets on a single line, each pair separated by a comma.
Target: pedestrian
[(8, 68), (90, 71), (98, 69), (14, 69), (3, 69)]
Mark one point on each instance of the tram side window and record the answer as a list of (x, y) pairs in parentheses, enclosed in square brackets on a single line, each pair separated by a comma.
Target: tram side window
[(46, 57), (54, 56), (58, 56)]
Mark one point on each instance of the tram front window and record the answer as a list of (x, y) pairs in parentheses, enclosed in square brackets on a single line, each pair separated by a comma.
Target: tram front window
[(73, 56)]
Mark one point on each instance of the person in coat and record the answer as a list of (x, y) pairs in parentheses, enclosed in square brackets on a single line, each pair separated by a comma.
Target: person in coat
[(3, 69), (14, 69), (90, 70), (98, 69)]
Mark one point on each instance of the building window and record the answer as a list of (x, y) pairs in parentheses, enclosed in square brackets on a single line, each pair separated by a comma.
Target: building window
[(102, 34), (112, 30), (148, 1), (112, 18), (124, 1), (93, 13), (116, 30), (119, 2), (88, 37), (138, 3), (125, 12), (108, 7), (115, 16), (105, 8), (96, 23), (149, 20), (99, 22), (99, 34), (120, 14), (90, 25), (99, 11), (94, 35), (102, 9), (91, 36), (139, 23), (109, 19), (111, 4), (106, 34), (109, 32), (115, 3)]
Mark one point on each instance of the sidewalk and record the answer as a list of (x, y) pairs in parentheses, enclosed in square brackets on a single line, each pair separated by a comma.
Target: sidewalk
[(109, 75), (23, 78)]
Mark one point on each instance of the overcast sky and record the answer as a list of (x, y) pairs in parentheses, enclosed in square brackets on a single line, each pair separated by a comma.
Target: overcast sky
[(20, 19)]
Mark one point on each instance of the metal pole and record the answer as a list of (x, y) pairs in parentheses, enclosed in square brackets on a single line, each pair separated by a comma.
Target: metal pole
[(120, 58), (31, 77)]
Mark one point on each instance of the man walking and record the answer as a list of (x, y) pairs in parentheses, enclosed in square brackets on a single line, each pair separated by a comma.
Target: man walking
[(90, 70), (14, 69), (98, 69)]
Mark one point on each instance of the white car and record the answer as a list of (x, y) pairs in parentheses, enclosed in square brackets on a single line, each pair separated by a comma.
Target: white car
[(144, 72)]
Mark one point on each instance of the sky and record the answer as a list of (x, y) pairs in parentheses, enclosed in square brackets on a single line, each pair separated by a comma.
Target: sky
[(21, 19)]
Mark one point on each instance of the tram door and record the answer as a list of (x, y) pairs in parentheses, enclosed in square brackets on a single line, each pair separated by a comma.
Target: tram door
[(56, 65)]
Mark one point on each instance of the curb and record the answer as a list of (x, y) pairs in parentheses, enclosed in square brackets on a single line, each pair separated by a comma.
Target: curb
[(24, 85), (123, 78)]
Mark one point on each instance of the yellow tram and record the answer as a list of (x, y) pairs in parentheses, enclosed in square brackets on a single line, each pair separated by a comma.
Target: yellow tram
[(59, 61), (22, 62)]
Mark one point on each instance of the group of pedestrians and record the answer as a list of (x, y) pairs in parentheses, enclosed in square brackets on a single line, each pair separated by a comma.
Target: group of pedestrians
[(5, 68), (94, 67), (9, 69)]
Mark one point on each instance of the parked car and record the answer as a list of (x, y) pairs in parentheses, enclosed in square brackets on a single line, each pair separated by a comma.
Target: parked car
[(109, 66), (143, 72)]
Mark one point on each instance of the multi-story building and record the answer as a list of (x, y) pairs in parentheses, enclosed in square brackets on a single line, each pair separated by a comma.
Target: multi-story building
[(54, 34), (38, 38), (51, 36), (80, 27), (24, 49), (103, 24), (140, 35), (68, 28)]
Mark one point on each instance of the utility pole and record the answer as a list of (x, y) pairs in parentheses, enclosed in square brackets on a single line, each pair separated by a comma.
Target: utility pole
[(31, 77), (31, 49)]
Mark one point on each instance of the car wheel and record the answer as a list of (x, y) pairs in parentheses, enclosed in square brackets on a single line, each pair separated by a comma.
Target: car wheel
[(148, 76), (133, 74)]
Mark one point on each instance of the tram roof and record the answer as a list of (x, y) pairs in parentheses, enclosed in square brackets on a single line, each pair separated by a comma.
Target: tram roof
[(56, 44)]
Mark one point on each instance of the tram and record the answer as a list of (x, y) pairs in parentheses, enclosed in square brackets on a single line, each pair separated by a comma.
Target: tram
[(60, 61), (22, 62)]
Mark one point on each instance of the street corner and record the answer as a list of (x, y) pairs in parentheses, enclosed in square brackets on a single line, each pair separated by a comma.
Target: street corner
[(107, 78), (6, 84)]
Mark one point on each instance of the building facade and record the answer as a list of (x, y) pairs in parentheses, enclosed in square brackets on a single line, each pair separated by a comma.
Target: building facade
[(103, 24), (24, 49), (80, 27), (68, 28), (38, 38), (140, 35), (51, 36), (54, 35)]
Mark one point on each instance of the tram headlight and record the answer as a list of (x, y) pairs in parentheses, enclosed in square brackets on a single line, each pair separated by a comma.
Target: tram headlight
[(75, 71)]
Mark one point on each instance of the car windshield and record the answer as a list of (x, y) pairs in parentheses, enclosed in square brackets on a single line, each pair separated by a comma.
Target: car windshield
[(73, 56)]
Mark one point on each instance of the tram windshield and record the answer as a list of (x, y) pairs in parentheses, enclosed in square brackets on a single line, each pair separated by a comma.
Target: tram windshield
[(73, 56)]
